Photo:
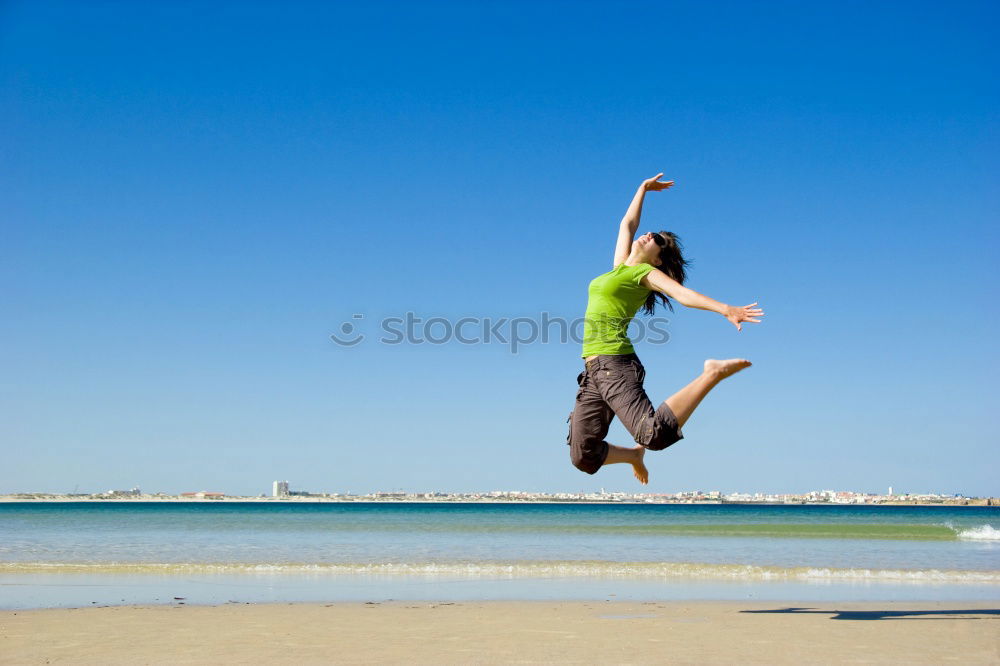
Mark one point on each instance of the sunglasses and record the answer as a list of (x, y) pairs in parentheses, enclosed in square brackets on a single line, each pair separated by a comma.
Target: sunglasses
[(659, 240)]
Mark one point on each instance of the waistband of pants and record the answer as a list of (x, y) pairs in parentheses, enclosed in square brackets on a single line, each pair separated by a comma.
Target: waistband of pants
[(605, 360)]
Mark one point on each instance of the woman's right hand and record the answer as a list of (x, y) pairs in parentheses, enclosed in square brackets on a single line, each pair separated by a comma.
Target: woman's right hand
[(654, 184), (748, 313)]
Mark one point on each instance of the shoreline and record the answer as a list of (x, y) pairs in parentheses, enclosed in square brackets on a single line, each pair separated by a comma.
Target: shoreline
[(508, 631), (26, 591)]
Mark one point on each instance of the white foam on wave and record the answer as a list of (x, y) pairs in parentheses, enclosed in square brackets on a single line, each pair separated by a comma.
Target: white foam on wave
[(526, 569), (981, 533)]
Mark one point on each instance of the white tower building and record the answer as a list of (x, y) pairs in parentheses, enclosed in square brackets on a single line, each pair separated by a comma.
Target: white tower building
[(279, 489)]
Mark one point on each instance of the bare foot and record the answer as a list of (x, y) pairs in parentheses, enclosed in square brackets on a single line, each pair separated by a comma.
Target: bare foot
[(722, 369), (639, 467), (633, 456)]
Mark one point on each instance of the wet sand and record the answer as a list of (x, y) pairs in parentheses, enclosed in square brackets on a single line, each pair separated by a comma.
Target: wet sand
[(508, 632)]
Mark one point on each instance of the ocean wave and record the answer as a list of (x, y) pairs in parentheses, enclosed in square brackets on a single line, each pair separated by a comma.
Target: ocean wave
[(522, 569), (981, 533)]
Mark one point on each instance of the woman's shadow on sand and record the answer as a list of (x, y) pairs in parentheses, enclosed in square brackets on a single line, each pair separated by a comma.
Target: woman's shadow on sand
[(970, 614)]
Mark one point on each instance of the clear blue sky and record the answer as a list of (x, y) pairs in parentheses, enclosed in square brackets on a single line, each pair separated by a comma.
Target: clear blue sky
[(194, 196)]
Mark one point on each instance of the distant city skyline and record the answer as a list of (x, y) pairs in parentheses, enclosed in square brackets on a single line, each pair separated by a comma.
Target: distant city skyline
[(284, 490), (824, 497)]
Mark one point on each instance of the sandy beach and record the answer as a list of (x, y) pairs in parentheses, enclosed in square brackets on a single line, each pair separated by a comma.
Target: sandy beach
[(508, 632)]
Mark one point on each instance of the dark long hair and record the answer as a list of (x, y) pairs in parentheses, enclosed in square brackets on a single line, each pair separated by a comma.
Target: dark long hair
[(673, 264)]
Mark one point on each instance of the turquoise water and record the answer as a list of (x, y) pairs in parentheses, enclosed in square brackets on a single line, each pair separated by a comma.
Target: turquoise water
[(538, 549)]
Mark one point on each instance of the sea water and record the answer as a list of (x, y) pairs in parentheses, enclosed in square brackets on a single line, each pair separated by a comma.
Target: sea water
[(83, 553)]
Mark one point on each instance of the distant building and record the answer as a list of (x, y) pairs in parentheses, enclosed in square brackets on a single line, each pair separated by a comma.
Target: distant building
[(202, 494), (134, 492), (279, 489)]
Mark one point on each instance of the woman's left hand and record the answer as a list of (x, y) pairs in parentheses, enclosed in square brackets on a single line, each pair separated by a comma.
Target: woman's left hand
[(654, 184), (747, 313)]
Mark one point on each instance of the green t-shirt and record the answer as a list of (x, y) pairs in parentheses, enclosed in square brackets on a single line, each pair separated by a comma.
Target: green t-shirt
[(613, 299)]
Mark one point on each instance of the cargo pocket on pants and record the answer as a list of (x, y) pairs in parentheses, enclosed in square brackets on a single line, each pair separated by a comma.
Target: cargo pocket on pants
[(569, 419)]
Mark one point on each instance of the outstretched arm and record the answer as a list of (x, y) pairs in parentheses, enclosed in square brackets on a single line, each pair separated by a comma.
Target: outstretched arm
[(630, 223), (663, 283)]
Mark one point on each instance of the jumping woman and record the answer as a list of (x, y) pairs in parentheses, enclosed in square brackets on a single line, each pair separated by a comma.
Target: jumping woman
[(646, 270)]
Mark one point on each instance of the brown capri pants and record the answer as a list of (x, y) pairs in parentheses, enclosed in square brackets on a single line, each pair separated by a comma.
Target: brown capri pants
[(611, 386)]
